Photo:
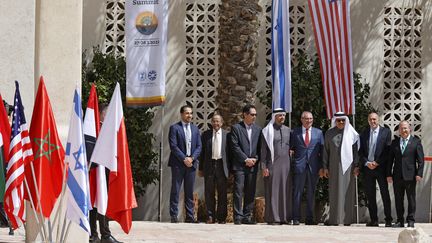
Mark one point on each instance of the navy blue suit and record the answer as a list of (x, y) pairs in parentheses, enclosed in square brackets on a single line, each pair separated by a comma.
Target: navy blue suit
[(305, 167), (180, 172)]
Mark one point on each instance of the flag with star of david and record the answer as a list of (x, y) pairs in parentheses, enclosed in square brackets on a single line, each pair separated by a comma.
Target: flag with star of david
[(77, 190)]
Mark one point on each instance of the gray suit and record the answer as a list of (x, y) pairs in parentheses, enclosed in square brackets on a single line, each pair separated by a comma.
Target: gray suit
[(215, 175)]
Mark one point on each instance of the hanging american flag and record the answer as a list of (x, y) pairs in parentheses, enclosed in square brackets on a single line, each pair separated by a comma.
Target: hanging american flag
[(332, 30), (281, 56), (20, 154)]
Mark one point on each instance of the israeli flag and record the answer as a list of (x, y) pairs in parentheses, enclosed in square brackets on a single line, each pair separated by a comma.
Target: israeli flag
[(78, 192), (281, 56)]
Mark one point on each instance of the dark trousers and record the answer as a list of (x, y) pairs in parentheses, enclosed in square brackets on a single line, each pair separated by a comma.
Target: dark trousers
[(401, 187), (370, 179), (103, 220), (182, 175), (299, 184), (215, 179), (103, 224), (244, 181)]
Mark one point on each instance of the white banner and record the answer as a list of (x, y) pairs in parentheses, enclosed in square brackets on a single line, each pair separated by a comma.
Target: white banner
[(146, 43)]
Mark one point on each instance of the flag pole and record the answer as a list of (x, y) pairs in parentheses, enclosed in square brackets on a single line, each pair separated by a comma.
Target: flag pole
[(62, 195), (160, 166), (38, 197), (356, 185), (34, 211)]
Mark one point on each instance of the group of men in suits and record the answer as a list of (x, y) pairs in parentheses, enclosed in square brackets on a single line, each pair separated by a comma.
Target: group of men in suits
[(380, 159), (218, 153)]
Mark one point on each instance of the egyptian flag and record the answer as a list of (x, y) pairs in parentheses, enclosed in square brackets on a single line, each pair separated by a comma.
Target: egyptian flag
[(49, 155), (112, 151), (97, 178)]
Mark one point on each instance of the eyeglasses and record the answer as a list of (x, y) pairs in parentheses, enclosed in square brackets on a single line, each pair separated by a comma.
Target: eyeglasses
[(252, 114), (340, 120)]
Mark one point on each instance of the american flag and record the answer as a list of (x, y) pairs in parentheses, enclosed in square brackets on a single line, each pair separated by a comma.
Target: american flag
[(20, 154), (332, 29)]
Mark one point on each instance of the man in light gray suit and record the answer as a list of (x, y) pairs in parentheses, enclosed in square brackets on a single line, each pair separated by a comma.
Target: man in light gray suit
[(307, 143), (213, 166), (245, 144)]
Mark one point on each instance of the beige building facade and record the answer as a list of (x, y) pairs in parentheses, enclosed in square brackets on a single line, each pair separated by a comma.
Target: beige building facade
[(391, 50)]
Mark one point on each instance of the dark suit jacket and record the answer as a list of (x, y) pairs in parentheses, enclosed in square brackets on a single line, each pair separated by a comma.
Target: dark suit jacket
[(408, 165), (240, 146), (206, 153), (311, 154), (177, 144), (381, 149)]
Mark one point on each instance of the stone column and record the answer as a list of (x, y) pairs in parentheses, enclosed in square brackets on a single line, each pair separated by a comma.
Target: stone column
[(58, 47)]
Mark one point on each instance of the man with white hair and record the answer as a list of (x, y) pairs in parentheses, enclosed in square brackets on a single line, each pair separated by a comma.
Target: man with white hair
[(275, 167), (340, 163)]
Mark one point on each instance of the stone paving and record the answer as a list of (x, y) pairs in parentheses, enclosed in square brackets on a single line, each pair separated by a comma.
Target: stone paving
[(191, 233)]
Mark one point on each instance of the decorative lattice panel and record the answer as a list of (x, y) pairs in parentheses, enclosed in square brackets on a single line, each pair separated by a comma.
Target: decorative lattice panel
[(202, 75), (115, 27), (297, 17), (402, 67)]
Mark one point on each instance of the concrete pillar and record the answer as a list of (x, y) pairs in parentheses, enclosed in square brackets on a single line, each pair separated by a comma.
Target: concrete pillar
[(58, 47)]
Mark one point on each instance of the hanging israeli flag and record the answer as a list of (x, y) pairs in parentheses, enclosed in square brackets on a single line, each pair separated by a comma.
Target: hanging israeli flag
[(281, 56), (78, 193)]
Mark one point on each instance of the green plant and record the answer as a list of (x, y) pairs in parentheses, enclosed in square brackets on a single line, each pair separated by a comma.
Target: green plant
[(105, 70), (307, 95)]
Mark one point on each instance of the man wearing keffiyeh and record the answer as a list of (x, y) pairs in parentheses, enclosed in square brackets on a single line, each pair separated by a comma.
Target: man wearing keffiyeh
[(276, 169), (340, 164)]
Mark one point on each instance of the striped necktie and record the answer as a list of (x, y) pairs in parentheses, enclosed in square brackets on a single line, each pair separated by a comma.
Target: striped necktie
[(404, 144)]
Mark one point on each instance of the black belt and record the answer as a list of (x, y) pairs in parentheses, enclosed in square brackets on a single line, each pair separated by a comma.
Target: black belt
[(216, 160)]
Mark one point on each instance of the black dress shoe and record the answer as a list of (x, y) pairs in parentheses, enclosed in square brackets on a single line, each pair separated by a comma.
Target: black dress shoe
[(248, 221), (310, 222), (210, 220), (221, 222), (388, 224), (410, 224), (94, 239), (398, 225), (191, 221), (372, 224), (296, 222), (109, 239), (174, 220), (237, 221)]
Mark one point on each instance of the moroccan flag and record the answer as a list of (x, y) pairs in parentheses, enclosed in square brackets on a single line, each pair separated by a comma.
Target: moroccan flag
[(112, 151), (20, 154), (332, 30), (48, 154), (98, 184), (5, 134), (281, 56)]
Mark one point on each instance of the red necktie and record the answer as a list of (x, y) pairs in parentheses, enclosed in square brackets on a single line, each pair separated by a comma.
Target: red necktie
[(307, 140)]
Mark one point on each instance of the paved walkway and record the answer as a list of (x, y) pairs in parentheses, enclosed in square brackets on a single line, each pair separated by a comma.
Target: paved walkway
[(192, 233)]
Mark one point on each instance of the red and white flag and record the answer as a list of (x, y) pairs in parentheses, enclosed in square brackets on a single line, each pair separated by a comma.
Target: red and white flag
[(20, 154), (112, 151), (332, 29), (97, 178)]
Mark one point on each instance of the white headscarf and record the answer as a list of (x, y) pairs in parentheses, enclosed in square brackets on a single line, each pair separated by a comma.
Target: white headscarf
[(350, 137), (268, 131)]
